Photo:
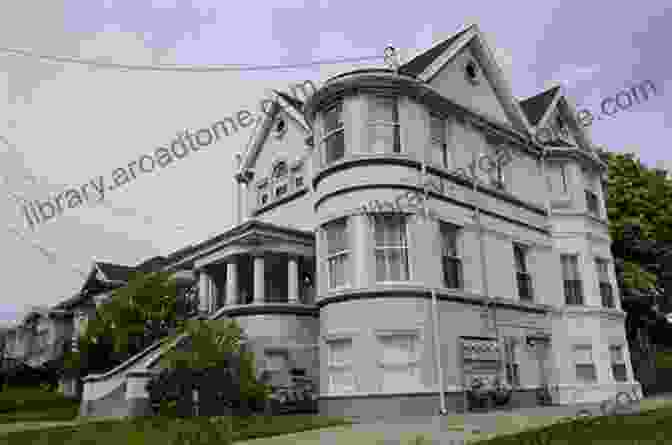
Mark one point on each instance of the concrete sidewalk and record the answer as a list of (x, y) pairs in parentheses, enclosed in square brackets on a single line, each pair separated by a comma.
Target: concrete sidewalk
[(455, 429)]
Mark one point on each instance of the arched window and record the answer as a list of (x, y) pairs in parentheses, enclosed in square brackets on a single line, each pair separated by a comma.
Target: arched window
[(279, 176)]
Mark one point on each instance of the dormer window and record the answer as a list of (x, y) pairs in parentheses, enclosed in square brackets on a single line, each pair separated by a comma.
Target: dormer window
[(471, 72)]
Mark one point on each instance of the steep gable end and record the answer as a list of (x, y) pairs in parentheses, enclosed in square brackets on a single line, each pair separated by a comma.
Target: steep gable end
[(463, 69)]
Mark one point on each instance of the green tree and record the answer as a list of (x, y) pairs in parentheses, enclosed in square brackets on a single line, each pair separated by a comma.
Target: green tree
[(639, 205), (147, 309), (213, 358)]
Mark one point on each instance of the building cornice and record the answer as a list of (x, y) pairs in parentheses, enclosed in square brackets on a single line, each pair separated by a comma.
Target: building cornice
[(412, 291)]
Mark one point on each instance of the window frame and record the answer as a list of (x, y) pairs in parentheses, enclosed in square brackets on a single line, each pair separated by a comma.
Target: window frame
[(403, 248), (330, 133), (512, 361), (577, 281), (441, 143), (619, 363), (604, 280), (344, 253), (444, 228), (346, 365), (413, 362), (592, 198), (577, 363), (522, 273), (395, 124)]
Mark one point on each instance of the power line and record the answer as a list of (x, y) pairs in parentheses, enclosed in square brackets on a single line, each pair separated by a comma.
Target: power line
[(182, 68), (50, 255), (40, 182)]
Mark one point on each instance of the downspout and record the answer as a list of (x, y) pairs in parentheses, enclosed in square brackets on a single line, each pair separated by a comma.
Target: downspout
[(484, 273), (435, 312)]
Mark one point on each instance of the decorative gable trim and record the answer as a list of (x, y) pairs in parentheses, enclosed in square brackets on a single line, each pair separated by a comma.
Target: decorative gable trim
[(549, 111), (491, 71)]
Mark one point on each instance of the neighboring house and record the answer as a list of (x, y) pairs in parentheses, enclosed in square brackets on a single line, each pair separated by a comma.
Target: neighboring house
[(518, 261)]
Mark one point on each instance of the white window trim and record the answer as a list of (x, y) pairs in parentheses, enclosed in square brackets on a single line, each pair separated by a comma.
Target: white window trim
[(346, 365), (375, 123), (377, 248), (458, 246), (591, 362), (328, 257), (621, 346), (412, 364), (328, 134)]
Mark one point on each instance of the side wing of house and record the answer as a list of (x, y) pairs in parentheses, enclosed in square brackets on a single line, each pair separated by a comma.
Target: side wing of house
[(278, 192)]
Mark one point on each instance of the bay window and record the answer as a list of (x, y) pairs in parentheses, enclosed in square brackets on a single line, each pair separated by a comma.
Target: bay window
[(391, 248), (334, 136), (337, 253), (383, 125)]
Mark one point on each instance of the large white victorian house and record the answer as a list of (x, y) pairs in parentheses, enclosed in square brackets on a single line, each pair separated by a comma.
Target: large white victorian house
[(511, 274)]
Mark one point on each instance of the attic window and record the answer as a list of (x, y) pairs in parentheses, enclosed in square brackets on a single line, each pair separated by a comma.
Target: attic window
[(471, 71)]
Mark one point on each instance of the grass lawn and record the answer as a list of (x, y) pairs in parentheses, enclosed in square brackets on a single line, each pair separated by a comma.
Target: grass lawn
[(160, 430), (35, 405)]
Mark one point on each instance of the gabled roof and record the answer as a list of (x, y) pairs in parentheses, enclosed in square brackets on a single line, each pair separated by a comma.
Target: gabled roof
[(115, 272), (535, 107), (151, 265), (429, 64), (422, 61)]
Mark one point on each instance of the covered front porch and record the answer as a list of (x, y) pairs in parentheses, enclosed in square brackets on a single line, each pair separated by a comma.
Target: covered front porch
[(256, 264)]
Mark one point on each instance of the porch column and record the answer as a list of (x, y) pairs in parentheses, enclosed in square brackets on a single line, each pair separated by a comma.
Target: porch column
[(212, 294), (232, 281), (203, 288), (293, 280), (259, 279)]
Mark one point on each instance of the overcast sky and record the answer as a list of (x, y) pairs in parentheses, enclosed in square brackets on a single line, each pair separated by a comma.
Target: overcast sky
[(69, 123)]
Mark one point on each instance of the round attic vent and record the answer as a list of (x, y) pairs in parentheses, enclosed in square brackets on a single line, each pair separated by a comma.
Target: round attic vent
[(280, 128), (471, 72)]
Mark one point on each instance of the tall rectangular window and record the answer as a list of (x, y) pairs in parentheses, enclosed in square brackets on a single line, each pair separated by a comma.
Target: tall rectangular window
[(523, 277), (438, 146), (337, 253), (618, 368), (592, 203), (339, 365), (606, 291), (511, 358), (391, 248), (584, 364), (399, 361), (450, 258), (563, 178), (334, 135), (384, 125), (571, 279)]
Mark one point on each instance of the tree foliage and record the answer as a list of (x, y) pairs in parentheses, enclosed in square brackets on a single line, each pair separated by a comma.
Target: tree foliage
[(639, 205), (147, 309), (212, 359)]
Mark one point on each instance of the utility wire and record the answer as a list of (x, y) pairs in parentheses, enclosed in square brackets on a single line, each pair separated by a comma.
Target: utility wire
[(50, 255), (181, 68), (117, 211)]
